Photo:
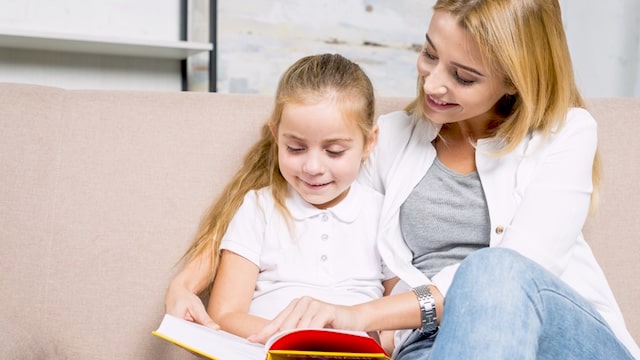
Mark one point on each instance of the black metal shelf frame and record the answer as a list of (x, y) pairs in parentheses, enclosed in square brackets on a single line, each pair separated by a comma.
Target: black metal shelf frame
[(213, 35)]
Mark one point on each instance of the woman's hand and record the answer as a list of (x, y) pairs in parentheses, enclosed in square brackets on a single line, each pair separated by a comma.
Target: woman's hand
[(307, 312), (182, 303)]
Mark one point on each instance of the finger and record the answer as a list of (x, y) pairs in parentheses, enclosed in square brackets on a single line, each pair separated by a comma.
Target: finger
[(315, 314), (274, 325), (199, 315), (311, 314), (296, 311)]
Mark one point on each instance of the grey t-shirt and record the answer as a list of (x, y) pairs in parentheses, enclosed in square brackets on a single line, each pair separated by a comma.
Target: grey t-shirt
[(445, 218)]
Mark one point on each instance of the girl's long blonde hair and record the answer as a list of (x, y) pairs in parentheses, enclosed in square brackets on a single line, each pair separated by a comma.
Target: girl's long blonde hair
[(309, 79), (525, 41)]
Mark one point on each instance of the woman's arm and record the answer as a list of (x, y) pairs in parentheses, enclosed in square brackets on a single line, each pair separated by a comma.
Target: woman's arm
[(181, 298), (394, 312), (232, 294)]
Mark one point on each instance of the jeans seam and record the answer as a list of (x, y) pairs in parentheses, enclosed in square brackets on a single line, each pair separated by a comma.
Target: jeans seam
[(589, 312)]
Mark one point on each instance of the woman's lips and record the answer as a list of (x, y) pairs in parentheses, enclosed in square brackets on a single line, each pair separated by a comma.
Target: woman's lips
[(438, 105)]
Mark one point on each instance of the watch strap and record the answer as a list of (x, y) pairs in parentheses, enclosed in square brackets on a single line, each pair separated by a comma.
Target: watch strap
[(429, 321)]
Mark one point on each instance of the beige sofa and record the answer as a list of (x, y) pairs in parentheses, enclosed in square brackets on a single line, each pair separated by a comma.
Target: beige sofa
[(101, 192)]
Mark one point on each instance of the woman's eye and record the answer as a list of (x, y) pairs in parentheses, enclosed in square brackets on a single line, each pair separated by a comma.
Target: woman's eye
[(429, 55), (463, 81)]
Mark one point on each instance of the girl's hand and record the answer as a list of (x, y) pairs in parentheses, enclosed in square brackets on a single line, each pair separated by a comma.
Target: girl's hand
[(182, 303), (307, 312)]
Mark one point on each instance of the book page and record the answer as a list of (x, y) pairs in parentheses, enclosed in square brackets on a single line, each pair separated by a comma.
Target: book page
[(213, 344)]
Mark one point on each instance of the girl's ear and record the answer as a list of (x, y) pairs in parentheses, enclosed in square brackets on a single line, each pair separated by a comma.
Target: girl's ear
[(371, 142), (274, 132)]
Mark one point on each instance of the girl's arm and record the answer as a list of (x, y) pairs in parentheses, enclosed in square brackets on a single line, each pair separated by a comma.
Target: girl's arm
[(181, 298), (232, 294)]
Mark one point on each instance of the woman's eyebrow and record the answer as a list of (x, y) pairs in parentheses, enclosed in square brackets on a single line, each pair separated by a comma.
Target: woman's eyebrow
[(465, 67)]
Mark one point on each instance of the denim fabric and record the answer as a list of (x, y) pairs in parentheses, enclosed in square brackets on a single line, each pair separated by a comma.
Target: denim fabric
[(502, 305), (416, 347)]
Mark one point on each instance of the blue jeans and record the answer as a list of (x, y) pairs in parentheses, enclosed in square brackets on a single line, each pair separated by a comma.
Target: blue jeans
[(501, 305)]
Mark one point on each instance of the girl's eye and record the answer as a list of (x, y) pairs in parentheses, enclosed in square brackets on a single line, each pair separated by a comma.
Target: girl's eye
[(292, 149), (429, 55), (335, 153)]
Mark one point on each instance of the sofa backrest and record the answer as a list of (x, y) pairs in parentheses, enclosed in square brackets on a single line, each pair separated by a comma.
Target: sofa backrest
[(102, 191)]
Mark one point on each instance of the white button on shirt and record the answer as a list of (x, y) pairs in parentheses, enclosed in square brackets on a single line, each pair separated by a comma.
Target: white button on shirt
[(330, 254)]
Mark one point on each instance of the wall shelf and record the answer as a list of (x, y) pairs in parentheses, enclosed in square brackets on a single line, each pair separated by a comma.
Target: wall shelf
[(32, 40)]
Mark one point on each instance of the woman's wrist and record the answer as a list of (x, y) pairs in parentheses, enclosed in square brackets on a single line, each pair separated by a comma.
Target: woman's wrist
[(427, 304), (394, 312), (439, 300)]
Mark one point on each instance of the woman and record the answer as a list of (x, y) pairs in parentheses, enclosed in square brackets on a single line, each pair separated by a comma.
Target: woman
[(488, 178)]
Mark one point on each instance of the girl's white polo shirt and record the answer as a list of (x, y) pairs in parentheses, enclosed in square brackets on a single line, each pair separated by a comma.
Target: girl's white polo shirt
[(331, 254)]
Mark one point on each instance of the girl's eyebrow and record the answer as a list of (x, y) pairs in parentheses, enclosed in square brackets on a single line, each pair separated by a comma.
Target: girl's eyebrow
[(292, 136), (327, 141), (465, 67)]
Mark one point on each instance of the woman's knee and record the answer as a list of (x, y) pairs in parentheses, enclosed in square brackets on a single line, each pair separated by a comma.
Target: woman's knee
[(484, 269), (492, 261), (493, 277)]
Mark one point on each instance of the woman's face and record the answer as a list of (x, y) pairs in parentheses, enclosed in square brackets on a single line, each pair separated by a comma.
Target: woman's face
[(456, 83)]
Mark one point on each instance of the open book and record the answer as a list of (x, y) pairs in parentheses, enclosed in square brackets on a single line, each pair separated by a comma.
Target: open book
[(291, 344)]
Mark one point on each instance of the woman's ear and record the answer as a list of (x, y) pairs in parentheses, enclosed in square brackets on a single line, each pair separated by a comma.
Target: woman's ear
[(371, 142), (511, 89)]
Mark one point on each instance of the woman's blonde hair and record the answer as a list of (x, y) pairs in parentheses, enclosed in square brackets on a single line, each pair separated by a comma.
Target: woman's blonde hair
[(308, 80), (523, 40)]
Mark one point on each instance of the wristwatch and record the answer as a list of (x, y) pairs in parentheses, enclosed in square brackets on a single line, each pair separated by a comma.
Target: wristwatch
[(427, 310)]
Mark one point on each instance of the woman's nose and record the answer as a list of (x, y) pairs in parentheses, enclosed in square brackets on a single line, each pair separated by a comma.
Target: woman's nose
[(434, 81)]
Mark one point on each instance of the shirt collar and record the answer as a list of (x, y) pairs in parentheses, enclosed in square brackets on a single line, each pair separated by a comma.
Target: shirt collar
[(346, 210)]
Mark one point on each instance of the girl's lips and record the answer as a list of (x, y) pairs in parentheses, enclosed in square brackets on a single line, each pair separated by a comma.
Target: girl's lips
[(314, 186), (438, 105)]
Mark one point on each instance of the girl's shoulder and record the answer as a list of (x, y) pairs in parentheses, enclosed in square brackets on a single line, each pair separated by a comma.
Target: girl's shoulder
[(259, 199)]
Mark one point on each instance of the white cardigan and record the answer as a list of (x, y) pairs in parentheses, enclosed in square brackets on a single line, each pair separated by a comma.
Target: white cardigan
[(538, 198)]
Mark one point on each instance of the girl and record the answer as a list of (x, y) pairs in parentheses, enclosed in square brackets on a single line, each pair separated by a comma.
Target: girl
[(293, 222), (488, 177)]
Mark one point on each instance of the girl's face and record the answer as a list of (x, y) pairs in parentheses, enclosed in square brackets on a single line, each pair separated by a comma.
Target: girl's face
[(457, 86), (320, 151)]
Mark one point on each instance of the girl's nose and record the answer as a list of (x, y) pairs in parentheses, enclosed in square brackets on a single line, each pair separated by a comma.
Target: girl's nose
[(313, 165)]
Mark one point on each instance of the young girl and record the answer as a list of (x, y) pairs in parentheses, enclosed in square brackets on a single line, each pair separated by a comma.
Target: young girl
[(293, 222)]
